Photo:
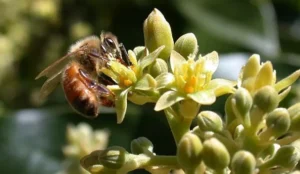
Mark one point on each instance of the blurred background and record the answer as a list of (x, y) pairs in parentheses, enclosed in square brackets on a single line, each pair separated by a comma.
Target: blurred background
[(35, 33)]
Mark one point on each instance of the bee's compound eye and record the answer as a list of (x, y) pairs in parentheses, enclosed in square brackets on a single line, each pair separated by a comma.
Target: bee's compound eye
[(110, 42)]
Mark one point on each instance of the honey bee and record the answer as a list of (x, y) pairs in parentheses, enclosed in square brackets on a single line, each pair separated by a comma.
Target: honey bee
[(79, 73)]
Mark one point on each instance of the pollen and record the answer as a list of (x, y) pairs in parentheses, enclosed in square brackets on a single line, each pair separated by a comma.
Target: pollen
[(193, 81), (127, 82), (189, 89)]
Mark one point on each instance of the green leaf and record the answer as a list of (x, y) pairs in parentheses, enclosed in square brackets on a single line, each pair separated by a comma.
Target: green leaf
[(146, 61), (205, 97), (147, 82), (176, 60), (168, 99), (121, 105), (164, 80)]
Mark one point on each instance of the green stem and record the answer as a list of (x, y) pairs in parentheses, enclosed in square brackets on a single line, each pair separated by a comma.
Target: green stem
[(168, 161), (177, 125)]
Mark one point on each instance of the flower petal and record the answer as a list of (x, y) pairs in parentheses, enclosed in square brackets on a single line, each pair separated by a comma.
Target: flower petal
[(264, 76), (121, 104), (287, 81), (252, 67), (176, 60), (164, 80), (205, 97), (221, 86), (211, 62), (147, 82), (168, 99), (284, 93), (145, 61)]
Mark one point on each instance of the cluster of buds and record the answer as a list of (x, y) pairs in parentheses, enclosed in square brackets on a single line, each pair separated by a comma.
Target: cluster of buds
[(257, 135)]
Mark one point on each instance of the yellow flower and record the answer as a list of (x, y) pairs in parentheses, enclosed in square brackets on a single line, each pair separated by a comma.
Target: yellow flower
[(142, 86), (255, 76), (192, 80)]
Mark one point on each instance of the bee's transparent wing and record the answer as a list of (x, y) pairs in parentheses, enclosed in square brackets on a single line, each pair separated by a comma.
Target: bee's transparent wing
[(50, 84), (57, 66)]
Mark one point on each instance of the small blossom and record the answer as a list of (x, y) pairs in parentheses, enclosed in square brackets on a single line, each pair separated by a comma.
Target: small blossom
[(255, 76), (132, 79), (82, 140), (192, 80)]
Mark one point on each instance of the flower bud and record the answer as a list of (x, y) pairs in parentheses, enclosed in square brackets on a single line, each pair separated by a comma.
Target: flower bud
[(189, 151), (215, 154), (188, 108), (278, 121), (186, 45), (209, 121), (158, 67), (243, 162), (286, 157), (113, 157), (294, 112), (141, 145), (269, 151), (157, 32), (243, 101), (266, 98)]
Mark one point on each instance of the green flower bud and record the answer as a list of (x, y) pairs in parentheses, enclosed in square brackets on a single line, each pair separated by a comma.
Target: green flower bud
[(266, 98), (294, 112), (157, 32), (141, 145), (278, 122), (188, 108), (113, 157), (215, 154), (243, 162), (189, 151), (186, 45), (209, 121), (243, 101), (158, 67), (286, 157), (269, 151)]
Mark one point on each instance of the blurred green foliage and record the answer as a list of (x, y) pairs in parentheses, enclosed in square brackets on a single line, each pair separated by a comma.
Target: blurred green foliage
[(35, 33)]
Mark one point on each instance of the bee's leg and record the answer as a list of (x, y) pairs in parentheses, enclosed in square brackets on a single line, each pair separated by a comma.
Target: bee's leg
[(100, 89), (105, 96), (106, 80), (124, 55)]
